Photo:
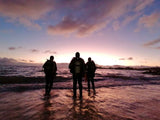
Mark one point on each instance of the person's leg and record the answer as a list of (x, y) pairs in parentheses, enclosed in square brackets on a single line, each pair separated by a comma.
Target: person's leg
[(74, 85), (47, 84), (88, 77), (93, 87), (50, 84), (80, 85)]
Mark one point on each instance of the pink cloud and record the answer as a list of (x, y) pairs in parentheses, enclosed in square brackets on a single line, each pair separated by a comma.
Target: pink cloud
[(141, 4), (34, 50), (130, 58), (96, 15), (72, 16), (130, 18), (69, 25), (50, 52), (24, 11), (121, 58), (116, 25), (151, 43), (12, 48), (149, 21), (158, 48), (31, 61)]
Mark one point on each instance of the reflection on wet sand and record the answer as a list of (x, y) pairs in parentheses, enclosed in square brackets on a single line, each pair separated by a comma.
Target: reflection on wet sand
[(47, 110), (115, 103), (84, 109)]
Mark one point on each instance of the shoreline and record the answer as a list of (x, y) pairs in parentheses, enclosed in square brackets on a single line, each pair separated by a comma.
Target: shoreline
[(25, 80), (114, 103)]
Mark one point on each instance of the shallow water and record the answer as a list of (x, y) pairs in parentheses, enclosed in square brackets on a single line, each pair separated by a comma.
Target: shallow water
[(63, 71), (120, 95), (139, 102)]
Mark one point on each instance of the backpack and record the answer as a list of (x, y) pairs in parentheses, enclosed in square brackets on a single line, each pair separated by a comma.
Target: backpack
[(48, 66)]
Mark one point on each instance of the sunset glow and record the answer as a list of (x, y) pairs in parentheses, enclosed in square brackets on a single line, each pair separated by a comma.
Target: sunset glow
[(110, 32)]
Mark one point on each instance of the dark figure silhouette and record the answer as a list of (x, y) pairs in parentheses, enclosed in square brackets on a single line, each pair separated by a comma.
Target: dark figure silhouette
[(77, 68), (90, 70), (50, 69)]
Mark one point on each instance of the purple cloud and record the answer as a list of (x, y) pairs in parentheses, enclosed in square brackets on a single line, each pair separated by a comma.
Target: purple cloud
[(121, 58), (31, 61), (149, 21), (23, 60), (130, 58), (151, 43), (12, 48), (73, 16), (50, 52), (97, 14), (158, 48), (25, 12), (34, 50), (7, 61)]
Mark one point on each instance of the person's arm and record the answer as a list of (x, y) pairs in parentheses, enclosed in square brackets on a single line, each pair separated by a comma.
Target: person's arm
[(55, 67), (71, 65), (44, 65), (94, 66), (83, 67)]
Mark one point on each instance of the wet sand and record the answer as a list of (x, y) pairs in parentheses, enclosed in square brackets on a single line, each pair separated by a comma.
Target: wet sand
[(137, 102)]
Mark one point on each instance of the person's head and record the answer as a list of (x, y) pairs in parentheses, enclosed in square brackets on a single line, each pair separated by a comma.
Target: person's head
[(52, 58), (89, 59), (77, 54)]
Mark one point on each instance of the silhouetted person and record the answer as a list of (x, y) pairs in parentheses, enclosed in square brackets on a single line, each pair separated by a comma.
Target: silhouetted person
[(90, 70), (50, 69), (77, 68)]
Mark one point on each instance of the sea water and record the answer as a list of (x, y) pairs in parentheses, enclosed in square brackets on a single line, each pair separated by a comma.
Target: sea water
[(121, 94)]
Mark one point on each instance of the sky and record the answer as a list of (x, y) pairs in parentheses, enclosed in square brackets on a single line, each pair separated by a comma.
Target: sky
[(111, 32)]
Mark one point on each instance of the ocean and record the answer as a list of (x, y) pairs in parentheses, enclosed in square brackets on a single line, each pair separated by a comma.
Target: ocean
[(122, 93)]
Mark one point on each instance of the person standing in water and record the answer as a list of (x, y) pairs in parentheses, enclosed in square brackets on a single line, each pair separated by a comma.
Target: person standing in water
[(77, 68), (90, 71), (50, 69)]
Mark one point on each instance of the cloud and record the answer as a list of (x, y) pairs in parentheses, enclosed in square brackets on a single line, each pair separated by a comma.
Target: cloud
[(25, 12), (158, 48), (69, 25), (7, 61), (50, 52), (141, 4), (81, 17), (34, 50), (149, 21), (121, 58), (31, 61), (151, 43), (130, 58), (14, 48), (96, 15), (130, 18), (11, 48), (26, 61), (116, 25), (23, 60), (11, 61)]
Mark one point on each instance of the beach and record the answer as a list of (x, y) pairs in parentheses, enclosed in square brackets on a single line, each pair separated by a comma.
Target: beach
[(114, 44), (120, 95), (113, 102)]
